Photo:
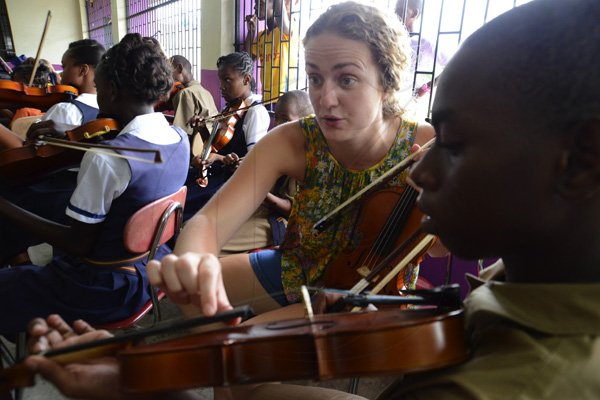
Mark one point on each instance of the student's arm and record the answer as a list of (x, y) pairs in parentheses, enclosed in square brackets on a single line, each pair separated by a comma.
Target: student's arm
[(256, 125), (282, 18), (250, 34), (193, 273), (9, 139)]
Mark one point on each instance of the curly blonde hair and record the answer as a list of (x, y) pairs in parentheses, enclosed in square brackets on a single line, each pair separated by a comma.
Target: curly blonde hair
[(385, 36)]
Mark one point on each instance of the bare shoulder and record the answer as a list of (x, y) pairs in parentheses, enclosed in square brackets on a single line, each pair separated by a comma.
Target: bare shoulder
[(285, 146), (424, 133)]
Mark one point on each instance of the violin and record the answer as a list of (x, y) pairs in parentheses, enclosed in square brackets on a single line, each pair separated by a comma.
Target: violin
[(385, 230), (166, 104), (34, 160), (222, 132), (386, 220), (17, 95), (19, 375), (325, 346)]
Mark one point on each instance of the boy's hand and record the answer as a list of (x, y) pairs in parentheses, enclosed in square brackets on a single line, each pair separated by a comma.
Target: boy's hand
[(94, 379)]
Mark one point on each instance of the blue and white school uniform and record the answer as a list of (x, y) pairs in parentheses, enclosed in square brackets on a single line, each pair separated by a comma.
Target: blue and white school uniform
[(109, 190)]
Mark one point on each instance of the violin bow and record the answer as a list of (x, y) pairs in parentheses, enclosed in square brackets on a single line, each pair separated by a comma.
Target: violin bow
[(228, 114), (101, 149), (321, 224), (39, 51)]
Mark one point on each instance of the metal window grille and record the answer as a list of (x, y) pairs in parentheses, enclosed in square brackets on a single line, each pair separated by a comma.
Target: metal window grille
[(7, 46), (443, 24), (99, 16), (174, 23)]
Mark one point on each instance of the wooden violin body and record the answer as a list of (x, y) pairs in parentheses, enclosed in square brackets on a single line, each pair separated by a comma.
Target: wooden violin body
[(17, 95), (221, 134), (385, 220), (167, 105), (32, 161), (327, 346)]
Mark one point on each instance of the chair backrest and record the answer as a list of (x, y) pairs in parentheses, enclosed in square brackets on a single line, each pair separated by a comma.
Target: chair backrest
[(155, 223)]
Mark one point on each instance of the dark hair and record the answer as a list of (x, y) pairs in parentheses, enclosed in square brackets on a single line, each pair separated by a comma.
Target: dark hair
[(549, 69), (298, 97), (241, 62), (138, 65), (85, 51), (185, 63), (22, 73)]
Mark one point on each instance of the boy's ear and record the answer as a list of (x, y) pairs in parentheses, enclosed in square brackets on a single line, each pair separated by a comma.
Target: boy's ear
[(581, 162)]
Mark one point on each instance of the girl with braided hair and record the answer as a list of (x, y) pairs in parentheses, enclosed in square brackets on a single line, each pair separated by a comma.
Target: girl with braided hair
[(236, 84), (131, 77)]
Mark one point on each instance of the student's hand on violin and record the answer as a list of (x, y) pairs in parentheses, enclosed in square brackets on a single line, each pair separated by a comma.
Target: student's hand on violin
[(95, 379), (44, 128), (197, 121), (191, 278), (232, 160)]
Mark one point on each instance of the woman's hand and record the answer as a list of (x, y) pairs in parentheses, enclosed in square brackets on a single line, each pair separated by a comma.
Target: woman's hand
[(191, 278), (94, 379)]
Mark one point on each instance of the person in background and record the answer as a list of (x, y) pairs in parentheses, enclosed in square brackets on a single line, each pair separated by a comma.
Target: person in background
[(79, 65), (276, 47), (425, 58), (193, 99), (237, 84), (267, 225), (89, 276)]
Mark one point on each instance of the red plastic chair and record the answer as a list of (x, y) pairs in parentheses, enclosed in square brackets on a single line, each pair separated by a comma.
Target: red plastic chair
[(146, 230)]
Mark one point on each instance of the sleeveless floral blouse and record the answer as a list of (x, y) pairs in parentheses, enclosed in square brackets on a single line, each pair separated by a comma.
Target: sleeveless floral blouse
[(326, 185)]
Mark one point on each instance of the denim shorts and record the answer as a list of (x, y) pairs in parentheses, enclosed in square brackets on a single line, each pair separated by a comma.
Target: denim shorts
[(266, 265)]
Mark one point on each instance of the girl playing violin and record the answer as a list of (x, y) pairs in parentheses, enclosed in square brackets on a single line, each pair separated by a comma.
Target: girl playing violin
[(130, 78), (235, 76), (79, 65)]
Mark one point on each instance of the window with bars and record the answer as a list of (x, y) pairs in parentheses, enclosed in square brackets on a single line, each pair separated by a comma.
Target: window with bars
[(174, 23), (436, 35), (7, 46), (100, 21)]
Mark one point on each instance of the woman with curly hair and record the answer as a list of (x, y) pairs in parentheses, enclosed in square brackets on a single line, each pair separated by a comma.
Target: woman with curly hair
[(355, 57), (130, 78)]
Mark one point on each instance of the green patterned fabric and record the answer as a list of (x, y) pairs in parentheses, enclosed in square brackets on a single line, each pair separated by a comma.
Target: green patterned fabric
[(327, 184)]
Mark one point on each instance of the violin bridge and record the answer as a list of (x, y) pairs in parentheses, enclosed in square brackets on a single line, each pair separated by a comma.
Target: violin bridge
[(363, 271)]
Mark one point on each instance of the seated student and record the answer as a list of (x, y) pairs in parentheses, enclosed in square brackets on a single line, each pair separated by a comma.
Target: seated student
[(47, 197), (267, 225), (193, 100), (22, 73), (237, 84), (79, 63), (514, 174), (109, 190)]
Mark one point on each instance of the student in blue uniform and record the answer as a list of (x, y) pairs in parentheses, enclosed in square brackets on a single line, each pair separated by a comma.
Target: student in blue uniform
[(235, 75), (47, 197), (130, 78), (79, 65)]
